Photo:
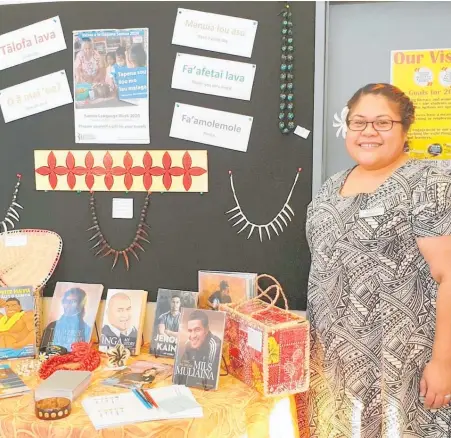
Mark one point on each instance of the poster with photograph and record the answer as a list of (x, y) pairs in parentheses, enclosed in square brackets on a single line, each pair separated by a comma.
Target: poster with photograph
[(17, 327), (123, 319), (199, 348), (167, 319), (216, 287), (425, 76), (72, 314), (111, 86)]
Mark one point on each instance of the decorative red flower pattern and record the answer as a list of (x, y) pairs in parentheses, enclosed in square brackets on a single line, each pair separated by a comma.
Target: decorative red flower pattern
[(190, 171), (147, 171), (127, 170)]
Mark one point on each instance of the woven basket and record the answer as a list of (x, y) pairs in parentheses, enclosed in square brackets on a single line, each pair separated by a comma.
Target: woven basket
[(265, 346), (30, 265)]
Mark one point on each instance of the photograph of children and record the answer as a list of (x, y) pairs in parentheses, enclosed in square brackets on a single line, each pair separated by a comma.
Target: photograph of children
[(72, 314), (218, 288), (141, 374), (110, 67), (121, 319), (199, 348), (167, 318)]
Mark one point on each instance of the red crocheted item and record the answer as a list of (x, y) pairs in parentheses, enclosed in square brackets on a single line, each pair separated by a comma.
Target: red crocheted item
[(82, 354)]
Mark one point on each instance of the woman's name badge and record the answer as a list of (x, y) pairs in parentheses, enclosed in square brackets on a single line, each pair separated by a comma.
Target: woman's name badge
[(377, 211)]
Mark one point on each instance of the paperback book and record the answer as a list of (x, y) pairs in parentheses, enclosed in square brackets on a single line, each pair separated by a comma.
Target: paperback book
[(10, 383), (123, 320), (17, 327), (140, 374), (216, 287), (72, 314), (167, 319), (199, 348)]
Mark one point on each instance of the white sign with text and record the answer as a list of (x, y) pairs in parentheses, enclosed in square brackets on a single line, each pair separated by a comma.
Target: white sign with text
[(31, 42), (35, 96), (218, 33), (218, 77), (212, 127)]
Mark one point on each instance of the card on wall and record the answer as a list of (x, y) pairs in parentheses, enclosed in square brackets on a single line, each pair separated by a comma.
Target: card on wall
[(212, 127), (35, 96), (136, 171), (111, 86), (31, 42), (218, 77), (214, 32)]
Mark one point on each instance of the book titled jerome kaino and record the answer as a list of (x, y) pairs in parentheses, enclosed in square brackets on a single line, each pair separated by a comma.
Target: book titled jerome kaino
[(167, 319), (199, 348), (17, 327)]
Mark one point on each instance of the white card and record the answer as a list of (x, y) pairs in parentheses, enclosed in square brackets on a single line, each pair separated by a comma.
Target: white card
[(35, 96), (212, 127), (302, 132), (218, 77), (16, 239), (31, 42), (254, 339), (122, 208), (218, 33)]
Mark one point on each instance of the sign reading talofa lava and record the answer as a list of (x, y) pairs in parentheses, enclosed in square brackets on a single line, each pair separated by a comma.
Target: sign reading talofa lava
[(213, 127), (31, 42), (136, 171)]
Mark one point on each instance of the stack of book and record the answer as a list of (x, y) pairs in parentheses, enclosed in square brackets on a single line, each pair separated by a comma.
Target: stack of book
[(63, 383), (10, 383)]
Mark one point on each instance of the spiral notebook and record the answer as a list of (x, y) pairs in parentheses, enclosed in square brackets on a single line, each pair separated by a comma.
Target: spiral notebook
[(114, 410)]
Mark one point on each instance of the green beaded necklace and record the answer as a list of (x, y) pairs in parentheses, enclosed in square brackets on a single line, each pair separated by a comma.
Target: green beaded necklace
[(286, 107)]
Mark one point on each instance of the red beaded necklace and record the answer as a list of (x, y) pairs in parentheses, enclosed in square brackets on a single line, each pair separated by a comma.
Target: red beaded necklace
[(86, 358), (105, 249)]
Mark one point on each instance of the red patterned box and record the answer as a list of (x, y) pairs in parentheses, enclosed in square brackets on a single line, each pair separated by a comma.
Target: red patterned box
[(267, 347)]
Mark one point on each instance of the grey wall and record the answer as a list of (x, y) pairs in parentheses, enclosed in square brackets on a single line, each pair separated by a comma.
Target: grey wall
[(361, 36)]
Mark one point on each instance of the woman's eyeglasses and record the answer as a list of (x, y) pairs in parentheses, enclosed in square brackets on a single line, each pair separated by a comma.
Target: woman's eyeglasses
[(378, 125)]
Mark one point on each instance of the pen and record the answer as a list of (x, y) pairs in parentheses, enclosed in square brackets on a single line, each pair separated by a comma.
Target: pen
[(149, 398), (142, 399)]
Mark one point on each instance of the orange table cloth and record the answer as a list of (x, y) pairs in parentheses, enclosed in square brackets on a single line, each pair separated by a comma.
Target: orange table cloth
[(233, 411)]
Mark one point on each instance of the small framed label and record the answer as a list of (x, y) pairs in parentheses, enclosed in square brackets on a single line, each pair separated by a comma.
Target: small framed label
[(122, 208)]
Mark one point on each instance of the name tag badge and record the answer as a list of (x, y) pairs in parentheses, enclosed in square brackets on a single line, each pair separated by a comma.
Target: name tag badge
[(378, 211)]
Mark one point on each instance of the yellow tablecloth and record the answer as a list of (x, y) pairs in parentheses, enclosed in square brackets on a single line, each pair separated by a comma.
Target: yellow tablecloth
[(233, 411)]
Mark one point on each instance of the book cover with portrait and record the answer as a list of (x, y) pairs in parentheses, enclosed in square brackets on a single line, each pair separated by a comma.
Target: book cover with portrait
[(216, 287), (140, 374), (17, 326), (123, 319), (167, 319), (199, 348), (73, 312)]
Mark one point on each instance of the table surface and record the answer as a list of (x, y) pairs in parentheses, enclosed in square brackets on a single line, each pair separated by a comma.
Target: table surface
[(233, 411)]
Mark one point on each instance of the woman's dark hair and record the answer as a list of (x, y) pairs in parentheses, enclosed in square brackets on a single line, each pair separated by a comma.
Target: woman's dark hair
[(112, 55), (393, 94), (138, 55)]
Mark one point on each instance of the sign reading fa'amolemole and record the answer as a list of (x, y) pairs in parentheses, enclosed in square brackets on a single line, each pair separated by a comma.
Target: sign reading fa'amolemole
[(212, 127)]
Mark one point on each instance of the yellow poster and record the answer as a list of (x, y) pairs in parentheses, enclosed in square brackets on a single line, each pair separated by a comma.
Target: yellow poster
[(425, 76)]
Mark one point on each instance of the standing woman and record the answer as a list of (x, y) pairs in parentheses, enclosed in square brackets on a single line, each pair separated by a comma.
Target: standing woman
[(379, 298)]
